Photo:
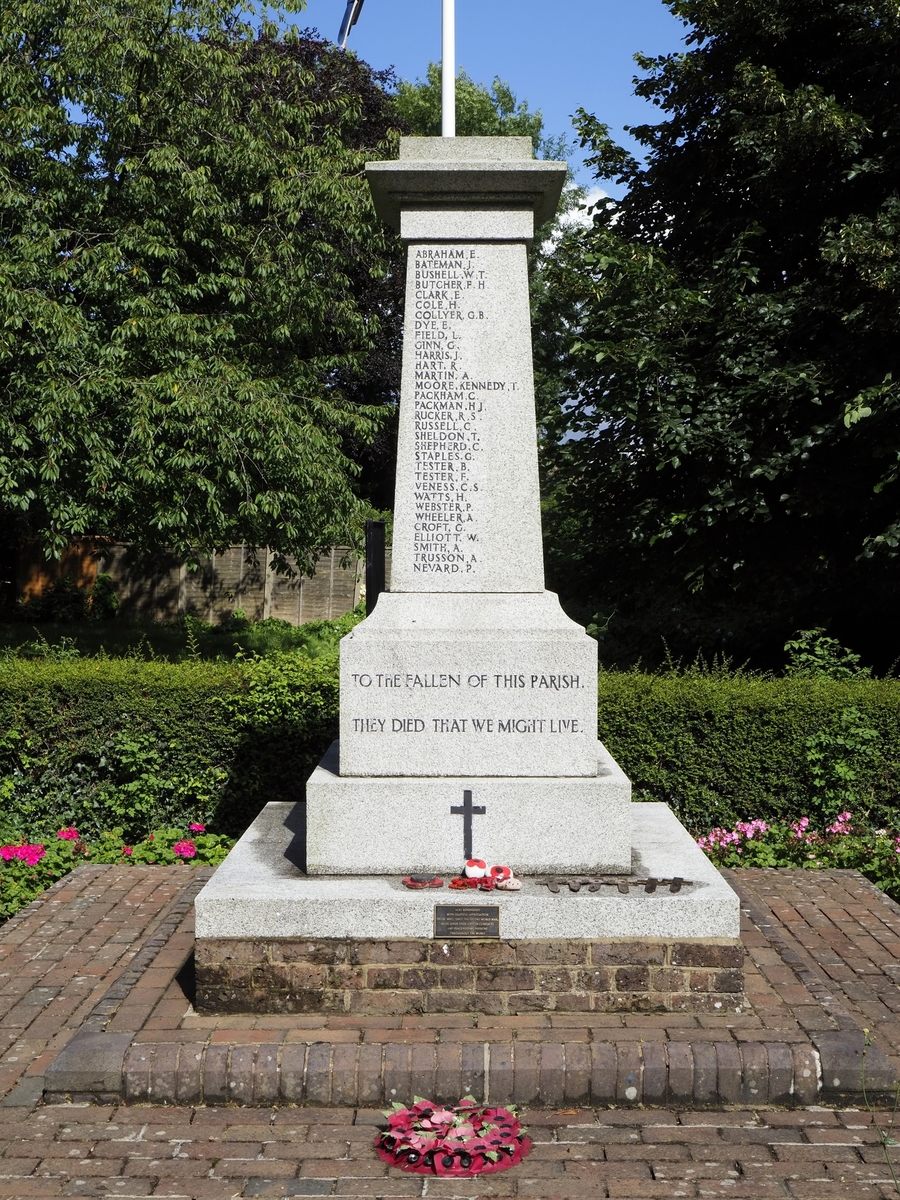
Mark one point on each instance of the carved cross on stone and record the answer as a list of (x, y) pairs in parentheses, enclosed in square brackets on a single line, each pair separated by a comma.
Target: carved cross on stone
[(467, 810)]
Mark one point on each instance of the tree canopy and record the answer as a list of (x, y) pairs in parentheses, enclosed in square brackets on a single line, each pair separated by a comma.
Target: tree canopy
[(199, 312), (481, 111), (723, 466)]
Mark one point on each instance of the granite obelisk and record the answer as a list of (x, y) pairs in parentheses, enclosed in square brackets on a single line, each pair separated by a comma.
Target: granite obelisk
[(467, 676), (468, 699)]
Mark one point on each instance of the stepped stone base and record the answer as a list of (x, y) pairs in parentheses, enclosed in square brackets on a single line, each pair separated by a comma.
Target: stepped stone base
[(384, 826), (270, 938)]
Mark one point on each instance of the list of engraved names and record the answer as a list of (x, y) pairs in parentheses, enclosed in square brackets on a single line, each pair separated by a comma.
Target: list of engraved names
[(453, 298)]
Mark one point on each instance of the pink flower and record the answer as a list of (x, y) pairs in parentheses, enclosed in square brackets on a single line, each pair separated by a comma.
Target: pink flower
[(197, 828), (841, 824), (69, 835), (29, 854), (129, 850), (185, 849), (751, 828)]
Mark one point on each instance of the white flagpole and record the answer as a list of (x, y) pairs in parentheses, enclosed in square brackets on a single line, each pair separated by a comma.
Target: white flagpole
[(448, 71)]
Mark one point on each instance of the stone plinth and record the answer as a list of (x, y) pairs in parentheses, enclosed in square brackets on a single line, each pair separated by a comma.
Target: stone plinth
[(358, 944), (394, 826), (468, 685)]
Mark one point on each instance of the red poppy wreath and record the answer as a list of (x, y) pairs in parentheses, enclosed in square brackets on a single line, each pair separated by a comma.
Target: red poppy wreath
[(465, 1139)]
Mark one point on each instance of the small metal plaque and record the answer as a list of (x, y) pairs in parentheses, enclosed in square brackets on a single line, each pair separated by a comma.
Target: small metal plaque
[(467, 920)]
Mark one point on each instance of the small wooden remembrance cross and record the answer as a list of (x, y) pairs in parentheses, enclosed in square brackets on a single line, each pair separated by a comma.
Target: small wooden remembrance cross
[(467, 810)]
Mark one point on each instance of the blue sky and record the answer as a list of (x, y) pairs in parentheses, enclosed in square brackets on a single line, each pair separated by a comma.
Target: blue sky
[(558, 54)]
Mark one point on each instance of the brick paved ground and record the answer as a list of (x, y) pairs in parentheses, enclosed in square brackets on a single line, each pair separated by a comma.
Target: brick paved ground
[(836, 925), (87, 938), (59, 957), (189, 1154)]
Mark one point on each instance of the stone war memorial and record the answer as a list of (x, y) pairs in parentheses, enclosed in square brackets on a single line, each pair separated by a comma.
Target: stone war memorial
[(468, 704)]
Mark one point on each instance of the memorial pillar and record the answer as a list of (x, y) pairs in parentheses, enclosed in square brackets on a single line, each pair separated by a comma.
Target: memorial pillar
[(468, 675)]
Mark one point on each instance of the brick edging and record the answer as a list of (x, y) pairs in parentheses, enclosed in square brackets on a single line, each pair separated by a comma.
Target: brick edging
[(825, 1067), (699, 1074), (91, 1064)]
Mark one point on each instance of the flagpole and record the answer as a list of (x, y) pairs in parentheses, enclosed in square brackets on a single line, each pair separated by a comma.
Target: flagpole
[(448, 71)]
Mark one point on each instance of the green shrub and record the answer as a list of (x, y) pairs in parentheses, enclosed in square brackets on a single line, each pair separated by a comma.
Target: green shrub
[(36, 634), (64, 600), (106, 743), (104, 600), (132, 744), (315, 638), (43, 863), (812, 653), (843, 845), (725, 747)]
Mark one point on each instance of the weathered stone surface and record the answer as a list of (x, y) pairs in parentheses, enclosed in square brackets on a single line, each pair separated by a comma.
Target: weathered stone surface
[(467, 173), (489, 685), (92, 1062), (260, 893), (395, 826), (468, 667)]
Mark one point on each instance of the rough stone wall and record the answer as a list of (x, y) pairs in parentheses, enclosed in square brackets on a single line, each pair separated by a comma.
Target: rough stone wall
[(495, 977)]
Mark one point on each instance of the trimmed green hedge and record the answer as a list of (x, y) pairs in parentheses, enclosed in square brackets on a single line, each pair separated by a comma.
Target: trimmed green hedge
[(101, 743), (723, 748), (105, 743)]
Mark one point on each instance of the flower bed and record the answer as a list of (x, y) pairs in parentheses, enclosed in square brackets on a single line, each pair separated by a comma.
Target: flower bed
[(27, 868), (842, 843), (467, 1139)]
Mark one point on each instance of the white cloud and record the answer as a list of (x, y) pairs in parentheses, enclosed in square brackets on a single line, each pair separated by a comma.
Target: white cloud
[(579, 215)]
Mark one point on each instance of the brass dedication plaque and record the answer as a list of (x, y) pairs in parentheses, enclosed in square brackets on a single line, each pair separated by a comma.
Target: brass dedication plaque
[(467, 920)]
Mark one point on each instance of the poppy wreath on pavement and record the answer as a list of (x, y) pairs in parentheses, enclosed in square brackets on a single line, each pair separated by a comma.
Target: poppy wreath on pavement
[(463, 1139)]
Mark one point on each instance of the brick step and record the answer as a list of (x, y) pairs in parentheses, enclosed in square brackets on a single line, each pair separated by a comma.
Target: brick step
[(701, 1074)]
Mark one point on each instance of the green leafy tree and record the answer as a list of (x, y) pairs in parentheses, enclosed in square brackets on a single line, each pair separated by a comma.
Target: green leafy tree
[(199, 313), (481, 111), (723, 467)]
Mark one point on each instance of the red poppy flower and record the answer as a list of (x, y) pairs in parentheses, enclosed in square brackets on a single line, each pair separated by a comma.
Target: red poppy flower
[(465, 1140)]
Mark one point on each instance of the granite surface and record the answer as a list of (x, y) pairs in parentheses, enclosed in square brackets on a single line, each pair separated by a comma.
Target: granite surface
[(467, 508), (468, 684), (393, 826), (467, 172), (259, 892)]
